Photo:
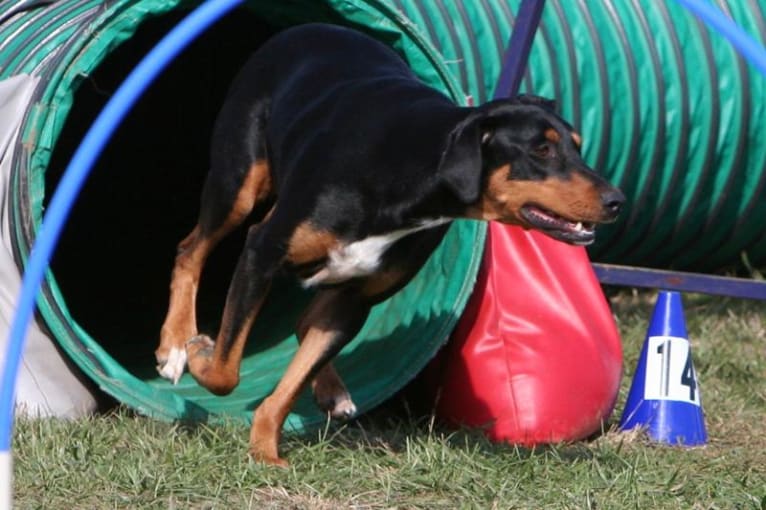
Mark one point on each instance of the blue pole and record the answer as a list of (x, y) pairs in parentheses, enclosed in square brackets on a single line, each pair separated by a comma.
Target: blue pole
[(517, 53)]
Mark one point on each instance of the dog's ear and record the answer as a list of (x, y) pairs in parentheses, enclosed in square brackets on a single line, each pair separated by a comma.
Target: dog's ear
[(542, 102), (461, 163)]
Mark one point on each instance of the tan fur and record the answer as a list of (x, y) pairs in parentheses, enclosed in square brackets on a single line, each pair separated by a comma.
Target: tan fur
[(316, 338), (211, 367), (576, 197), (382, 282), (181, 321), (308, 244), (256, 187), (552, 135)]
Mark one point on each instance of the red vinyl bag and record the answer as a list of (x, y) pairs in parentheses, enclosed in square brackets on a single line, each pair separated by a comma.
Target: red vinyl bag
[(536, 357)]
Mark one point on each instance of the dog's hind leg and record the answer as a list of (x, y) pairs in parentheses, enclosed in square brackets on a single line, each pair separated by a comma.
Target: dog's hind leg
[(239, 179), (333, 318), (331, 394)]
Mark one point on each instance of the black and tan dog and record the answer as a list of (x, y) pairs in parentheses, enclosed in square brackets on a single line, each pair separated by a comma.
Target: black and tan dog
[(360, 167)]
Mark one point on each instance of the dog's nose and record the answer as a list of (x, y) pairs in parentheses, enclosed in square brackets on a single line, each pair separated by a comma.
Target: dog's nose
[(612, 200)]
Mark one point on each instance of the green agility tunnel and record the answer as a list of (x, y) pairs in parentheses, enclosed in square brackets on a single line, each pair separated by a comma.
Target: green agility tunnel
[(648, 86)]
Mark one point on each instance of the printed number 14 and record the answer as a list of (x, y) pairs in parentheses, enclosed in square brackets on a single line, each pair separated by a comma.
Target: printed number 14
[(670, 371)]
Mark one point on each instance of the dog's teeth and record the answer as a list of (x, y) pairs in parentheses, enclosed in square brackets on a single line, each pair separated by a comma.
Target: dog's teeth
[(578, 227)]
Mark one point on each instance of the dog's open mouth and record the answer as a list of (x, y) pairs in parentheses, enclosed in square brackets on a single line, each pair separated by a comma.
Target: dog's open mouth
[(575, 232)]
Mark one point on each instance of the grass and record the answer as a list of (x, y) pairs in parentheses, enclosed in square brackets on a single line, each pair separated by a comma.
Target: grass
[(390, 459)]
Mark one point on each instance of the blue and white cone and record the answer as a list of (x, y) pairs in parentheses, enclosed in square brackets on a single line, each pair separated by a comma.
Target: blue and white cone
[(664, 397)]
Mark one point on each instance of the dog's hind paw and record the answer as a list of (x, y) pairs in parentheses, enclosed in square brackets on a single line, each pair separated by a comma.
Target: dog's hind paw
[(344, 409), (172, 367), (331, 394), (340, 406)]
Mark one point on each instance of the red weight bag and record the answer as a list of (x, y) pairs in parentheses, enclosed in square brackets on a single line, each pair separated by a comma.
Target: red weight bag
[(536, 357)]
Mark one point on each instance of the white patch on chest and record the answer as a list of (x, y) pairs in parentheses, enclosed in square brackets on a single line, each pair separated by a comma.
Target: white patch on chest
[(362, 258)]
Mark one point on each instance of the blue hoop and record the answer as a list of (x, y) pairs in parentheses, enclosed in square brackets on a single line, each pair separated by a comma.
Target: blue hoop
[(73, 179)]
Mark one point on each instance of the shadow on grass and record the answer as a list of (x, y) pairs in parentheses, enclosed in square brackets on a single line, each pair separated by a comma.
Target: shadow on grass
[(398, 426)]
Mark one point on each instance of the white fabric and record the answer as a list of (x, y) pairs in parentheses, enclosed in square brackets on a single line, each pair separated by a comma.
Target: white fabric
[(6, 480), (46, 385)]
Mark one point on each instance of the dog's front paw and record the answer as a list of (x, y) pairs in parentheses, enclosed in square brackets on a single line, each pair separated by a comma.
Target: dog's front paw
[(171, 365), (217, 376), (200, 345)]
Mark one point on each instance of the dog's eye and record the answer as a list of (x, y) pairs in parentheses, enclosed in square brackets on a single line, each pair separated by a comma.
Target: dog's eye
[(543, 151)]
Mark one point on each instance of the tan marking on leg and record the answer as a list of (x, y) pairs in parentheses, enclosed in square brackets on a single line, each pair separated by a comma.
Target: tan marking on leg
[(214, 369), (329, 391), (316, 335), (181, 320), (180, 323), (270, 416)]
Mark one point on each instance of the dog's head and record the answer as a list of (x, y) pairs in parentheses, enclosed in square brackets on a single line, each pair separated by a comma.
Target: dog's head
[(516, 161)]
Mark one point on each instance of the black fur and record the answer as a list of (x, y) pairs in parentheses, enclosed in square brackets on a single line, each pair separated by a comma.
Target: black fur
[(357, 146)]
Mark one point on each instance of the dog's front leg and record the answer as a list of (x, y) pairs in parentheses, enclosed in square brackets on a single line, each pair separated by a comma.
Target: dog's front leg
[(181, 323), (333, 318), (224, 207), (215, 365)]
